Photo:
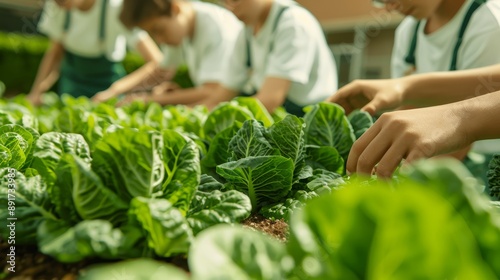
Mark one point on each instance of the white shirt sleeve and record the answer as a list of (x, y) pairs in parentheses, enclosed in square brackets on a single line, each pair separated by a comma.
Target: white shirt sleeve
[(134, 36), (402, 42), (293, 51), (52, 21), (236, 71)]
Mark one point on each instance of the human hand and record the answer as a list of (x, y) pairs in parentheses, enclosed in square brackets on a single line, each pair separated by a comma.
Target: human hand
[(372, 96), (103, 96), (410, 135), (35, 99), (164, 87), (131, 97)]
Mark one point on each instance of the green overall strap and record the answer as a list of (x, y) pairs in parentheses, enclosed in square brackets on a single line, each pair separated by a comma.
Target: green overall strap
[(410, 57), (102, 26), (275, 25), (473, 7)]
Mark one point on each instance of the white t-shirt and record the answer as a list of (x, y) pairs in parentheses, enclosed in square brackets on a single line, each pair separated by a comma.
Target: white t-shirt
[(206, 53), (82, 37), (480, 47), (299, 54)]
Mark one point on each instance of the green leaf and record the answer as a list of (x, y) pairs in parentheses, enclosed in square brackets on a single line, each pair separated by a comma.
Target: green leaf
[(95, 238), (325, 157), (250, 141), (360, 121), (182, 169), (494, 177), (167, 230), (218, 151), (134, 269), (282, 210), (91, 198), (327, 125), (50, 148), (32, 204), (130, 162), (288, 136), (231, 252), (265, 179), (377, 232), (258, 110), (28, 136), (209, 208), (224, 116)]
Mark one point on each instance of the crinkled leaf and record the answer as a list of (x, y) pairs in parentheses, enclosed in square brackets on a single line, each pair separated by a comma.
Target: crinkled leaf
[(250, 141), (49, 149), (265, 180), (224, 116), (216, 207), (182, 169), (218, 151), (258, 110), (168, 233), (130, 162), (327, 125), (325, 157), (282, 210), (95, 238), (288, 136), (360, 121)]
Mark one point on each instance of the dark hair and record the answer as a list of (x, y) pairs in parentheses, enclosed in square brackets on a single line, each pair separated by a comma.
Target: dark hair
[(135, 11)]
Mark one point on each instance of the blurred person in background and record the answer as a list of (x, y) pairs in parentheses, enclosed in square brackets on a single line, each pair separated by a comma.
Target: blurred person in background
[(88, 43), (447, 35), (281, 56), (199, 35)]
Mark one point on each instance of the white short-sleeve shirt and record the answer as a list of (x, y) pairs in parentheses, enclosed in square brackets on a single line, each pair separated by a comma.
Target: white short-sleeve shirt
[(297, 51), (82, 37), (480, 48), (206, 53)]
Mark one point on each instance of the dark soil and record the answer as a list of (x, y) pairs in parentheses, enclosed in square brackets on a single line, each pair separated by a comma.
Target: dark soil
[(277, 229), (32, 265)]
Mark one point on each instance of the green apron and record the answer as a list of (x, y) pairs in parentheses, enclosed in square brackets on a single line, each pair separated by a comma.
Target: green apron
[(84, 76)]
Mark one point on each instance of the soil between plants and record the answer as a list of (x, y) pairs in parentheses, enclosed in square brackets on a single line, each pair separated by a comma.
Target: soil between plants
[(33, 265)]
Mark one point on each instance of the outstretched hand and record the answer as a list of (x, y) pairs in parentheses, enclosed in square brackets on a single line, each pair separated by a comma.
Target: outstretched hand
[(372, 96)]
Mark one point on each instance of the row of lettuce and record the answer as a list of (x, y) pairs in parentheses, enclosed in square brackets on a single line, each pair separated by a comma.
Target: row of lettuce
[(142, 180), (433, 223), (96, 181)]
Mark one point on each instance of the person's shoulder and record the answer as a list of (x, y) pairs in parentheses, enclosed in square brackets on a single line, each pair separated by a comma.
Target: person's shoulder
[(216, 20), (407, 25), (487, 16)]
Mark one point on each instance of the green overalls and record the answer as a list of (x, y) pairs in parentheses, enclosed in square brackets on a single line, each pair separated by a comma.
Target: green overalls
[(289, 106), (410, 57), (84, 76)]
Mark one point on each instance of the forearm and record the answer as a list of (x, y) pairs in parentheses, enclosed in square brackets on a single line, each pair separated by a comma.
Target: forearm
[(182, 96), (273, 93), (134, 79), (48, 71), (149, 50), (446, 87), (480, 117)]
